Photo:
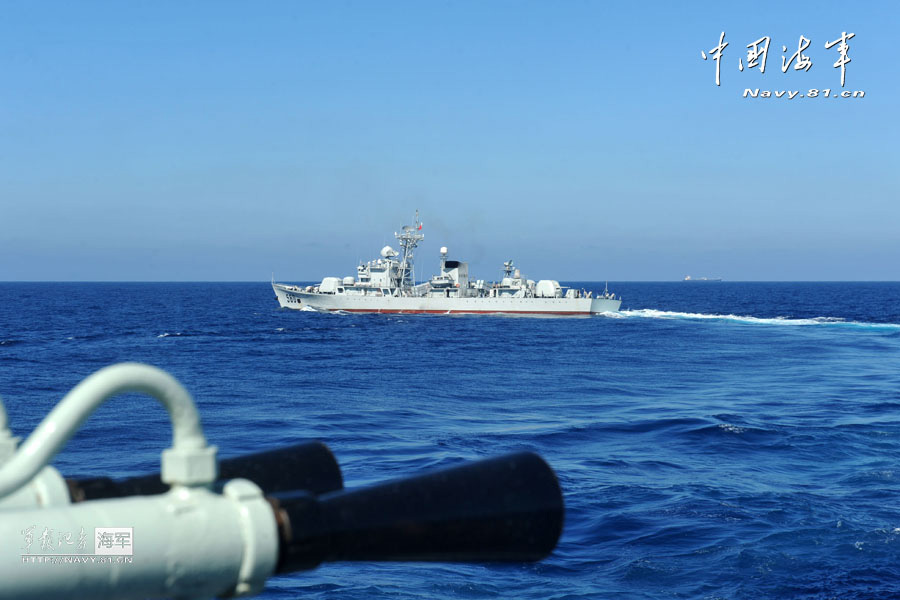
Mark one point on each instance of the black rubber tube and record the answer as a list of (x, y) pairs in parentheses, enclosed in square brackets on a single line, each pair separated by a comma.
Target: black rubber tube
[(309, 466), (502, 509)]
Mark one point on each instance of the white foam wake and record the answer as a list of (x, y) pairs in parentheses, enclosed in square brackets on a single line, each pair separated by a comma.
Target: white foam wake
[(649, 313)]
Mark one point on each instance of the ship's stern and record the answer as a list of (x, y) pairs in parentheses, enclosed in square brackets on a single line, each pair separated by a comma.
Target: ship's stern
[(602, 305)]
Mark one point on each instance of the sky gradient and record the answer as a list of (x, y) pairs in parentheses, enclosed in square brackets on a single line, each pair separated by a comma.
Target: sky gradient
[(226, 141)]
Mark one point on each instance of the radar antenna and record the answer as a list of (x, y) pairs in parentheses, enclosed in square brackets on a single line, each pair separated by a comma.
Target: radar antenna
[(409, 238)]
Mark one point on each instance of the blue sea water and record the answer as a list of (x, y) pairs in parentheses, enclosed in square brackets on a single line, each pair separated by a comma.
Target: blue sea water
[(712, 440)]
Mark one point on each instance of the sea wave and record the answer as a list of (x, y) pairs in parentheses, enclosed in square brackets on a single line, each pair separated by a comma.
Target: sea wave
[(649, 313)]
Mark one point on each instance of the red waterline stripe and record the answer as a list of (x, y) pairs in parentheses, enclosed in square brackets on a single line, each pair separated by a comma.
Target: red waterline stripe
[(463, 312)]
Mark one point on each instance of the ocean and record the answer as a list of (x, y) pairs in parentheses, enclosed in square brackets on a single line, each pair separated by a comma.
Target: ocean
[(712, 440)]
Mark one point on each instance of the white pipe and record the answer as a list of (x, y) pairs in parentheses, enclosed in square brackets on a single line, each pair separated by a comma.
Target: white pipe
[(3, 421), (62, 422), (47, 488), (8, 442)]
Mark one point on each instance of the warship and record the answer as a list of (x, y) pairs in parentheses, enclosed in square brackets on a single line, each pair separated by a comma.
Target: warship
[(387, 285)]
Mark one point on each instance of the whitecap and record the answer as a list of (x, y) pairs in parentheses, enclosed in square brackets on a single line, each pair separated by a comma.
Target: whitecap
[(649, 313), (731, 428)]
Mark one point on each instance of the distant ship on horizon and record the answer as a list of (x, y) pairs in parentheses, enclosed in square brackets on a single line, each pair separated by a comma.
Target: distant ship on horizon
[(689, 278)]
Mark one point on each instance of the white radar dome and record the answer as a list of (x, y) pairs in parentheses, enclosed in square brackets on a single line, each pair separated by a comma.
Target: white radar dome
[(443, 249), (388, 252)]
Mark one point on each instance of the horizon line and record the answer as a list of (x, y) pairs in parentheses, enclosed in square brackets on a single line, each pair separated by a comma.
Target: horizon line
[(251, 281)]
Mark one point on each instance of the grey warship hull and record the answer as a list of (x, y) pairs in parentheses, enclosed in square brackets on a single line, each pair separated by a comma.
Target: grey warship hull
[(297, 298)]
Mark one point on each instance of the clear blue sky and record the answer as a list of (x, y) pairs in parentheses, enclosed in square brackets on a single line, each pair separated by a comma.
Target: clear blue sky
[(586, 140)]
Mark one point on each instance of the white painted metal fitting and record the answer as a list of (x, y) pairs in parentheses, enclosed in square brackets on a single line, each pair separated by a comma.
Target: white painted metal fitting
[(187, 543), (260, 534), (189, 466), (47, 488)]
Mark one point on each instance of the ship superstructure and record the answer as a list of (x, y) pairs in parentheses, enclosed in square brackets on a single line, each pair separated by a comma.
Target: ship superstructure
[(387, 285)]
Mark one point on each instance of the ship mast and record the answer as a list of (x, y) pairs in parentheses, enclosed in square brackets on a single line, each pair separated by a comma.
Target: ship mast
[(409, 239)]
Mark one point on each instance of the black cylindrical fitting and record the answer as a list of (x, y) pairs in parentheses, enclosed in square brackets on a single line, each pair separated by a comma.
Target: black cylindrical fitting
[(309, 466), (502, 509)]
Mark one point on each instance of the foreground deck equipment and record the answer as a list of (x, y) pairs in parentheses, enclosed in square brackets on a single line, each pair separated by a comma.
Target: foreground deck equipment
[(189, 533)]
